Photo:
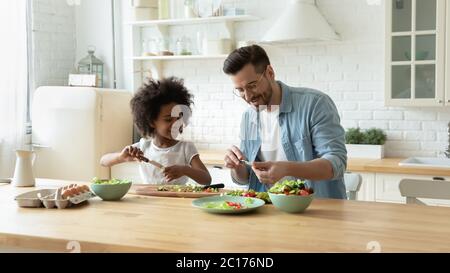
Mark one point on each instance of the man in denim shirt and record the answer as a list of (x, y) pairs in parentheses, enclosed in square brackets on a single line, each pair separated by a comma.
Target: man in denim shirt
[(287, 133)]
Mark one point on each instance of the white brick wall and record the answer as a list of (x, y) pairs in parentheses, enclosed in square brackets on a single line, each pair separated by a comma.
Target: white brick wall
[(54, 43), (351, 71)]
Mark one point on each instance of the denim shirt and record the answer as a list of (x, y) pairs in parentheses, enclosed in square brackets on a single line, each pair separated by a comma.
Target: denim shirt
[(309, 129)]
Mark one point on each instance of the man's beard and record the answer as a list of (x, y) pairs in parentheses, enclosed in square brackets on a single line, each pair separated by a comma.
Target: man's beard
[(265, 97)]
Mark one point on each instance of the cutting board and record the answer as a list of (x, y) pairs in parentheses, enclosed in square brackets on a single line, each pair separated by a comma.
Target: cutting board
[(152, 190)]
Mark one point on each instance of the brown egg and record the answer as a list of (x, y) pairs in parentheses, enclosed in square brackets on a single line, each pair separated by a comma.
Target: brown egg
[(79, 189), (66, 194), (75, 191)]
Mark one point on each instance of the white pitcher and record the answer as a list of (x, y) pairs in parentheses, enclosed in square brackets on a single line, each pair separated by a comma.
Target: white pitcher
[(23, 174)]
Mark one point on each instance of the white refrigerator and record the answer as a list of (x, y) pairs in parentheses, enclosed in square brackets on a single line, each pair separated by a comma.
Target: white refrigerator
[(74, 126)]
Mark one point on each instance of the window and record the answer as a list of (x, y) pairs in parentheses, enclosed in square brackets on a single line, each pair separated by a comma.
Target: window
[(13, 80)]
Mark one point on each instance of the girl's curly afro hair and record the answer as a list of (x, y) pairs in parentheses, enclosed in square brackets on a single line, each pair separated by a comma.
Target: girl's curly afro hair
[(147, 102)]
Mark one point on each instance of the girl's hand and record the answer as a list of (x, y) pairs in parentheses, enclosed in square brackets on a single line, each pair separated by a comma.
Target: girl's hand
[(174, 172), (130, 153), (270, 172)]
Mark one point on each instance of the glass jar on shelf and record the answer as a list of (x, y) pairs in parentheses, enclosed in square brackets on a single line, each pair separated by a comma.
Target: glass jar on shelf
[(164, 47), (183, 46), (152, 46)]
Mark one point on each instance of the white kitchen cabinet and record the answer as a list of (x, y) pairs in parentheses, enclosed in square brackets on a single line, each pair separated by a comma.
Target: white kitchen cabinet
[(415, 53), (386, 188), (383, 187)]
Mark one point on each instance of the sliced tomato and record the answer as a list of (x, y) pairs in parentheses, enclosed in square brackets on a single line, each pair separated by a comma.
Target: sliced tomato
[(304, 193), (249, 194), (233, 204)]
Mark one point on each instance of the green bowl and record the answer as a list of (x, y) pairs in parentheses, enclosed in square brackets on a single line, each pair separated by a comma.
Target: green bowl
[(111, 192), (291, 203)]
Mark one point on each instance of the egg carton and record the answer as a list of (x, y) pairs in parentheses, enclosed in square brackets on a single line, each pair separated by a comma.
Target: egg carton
[(51, 198)]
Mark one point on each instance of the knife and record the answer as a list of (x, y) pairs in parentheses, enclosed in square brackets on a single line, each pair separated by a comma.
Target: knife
[(154, 163), (214, 186)]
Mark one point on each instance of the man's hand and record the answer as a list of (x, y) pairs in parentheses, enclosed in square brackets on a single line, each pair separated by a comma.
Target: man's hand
[(270, 172), (174, 172), (233, 157)]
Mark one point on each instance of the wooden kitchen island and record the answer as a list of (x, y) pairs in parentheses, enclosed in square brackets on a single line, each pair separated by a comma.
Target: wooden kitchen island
[(155, 224)]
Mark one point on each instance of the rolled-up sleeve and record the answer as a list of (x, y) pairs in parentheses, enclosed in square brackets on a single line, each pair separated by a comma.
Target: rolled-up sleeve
[(328, 136)]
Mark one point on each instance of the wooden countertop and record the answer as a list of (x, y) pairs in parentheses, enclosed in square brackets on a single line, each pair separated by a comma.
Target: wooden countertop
[(155, 224), (390, 165), (385, 165)]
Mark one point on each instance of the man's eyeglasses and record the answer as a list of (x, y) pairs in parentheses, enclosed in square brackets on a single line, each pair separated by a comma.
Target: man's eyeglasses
[(251, 87)]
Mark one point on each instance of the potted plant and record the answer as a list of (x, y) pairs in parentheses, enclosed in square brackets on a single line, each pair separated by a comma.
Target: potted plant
[(367, 144)]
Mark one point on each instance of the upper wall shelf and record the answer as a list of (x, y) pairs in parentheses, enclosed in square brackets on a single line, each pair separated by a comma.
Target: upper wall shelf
[(154, 65), (179, 57), (193, 21)]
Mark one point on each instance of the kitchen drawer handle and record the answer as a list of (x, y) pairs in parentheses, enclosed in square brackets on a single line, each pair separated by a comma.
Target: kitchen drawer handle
[(439, 178), (218, 167)]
